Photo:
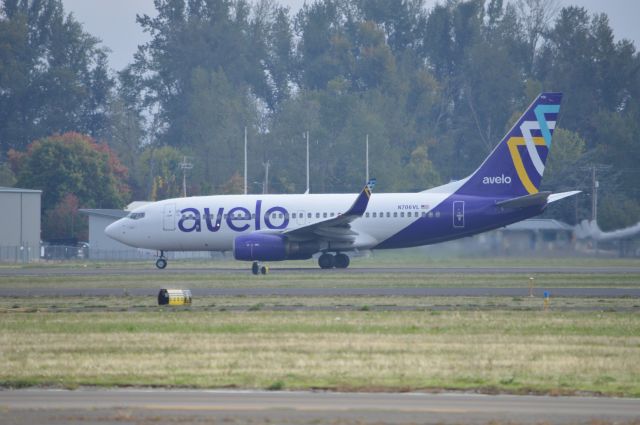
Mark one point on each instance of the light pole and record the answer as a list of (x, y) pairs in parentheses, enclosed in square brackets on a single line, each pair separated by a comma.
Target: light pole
[(185, 165)]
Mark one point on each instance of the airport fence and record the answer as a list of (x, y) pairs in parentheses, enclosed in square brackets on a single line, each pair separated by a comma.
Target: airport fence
[(28, 254), (19, 254)]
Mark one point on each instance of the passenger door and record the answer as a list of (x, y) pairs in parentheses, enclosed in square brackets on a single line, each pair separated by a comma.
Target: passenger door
[(169, 217)]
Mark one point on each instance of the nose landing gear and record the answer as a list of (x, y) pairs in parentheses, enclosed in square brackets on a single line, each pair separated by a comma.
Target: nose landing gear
[(257, 268), (161, 262)]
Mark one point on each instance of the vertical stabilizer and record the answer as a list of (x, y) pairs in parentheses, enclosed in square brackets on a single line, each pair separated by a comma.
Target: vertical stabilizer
[(516, 165)]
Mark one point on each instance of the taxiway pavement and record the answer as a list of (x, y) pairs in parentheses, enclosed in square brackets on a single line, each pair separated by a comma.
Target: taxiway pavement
[(151, 270), (589, 292), (160, 406)]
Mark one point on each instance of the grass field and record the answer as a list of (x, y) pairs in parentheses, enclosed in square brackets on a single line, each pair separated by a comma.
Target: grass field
[(512, 351), (485, 344), (289, 303), (324, 279)]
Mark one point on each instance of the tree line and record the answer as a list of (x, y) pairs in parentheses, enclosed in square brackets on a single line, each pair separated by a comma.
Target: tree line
[(433, 88)]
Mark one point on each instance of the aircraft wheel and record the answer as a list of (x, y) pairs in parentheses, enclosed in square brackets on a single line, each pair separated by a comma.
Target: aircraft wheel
[(264, 269), (161, 263), (326, 261), (255, 268), (342, 261)]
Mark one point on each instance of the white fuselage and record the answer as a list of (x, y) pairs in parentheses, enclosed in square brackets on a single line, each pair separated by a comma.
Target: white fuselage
[(213, 222)]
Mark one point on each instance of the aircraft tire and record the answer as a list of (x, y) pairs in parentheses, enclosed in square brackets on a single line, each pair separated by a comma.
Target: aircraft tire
[(326, 261), (264, 270), (255, 268), (161, 263), (341, 261)]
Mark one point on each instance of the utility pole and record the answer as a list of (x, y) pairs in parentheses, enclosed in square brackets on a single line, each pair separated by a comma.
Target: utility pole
[(367, 160), (265, 185), (594, 194), (185, 165), (595, 184), (307, 162), (245, 159)]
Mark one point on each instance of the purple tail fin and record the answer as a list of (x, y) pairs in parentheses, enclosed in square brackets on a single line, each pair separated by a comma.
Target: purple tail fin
[(516, 165)]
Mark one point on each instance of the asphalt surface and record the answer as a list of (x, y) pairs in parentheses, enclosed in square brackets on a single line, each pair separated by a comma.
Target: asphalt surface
[(329, 292), (151, 270), (187, 406)]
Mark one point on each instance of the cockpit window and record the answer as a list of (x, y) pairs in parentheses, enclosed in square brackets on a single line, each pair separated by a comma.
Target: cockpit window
[(136, 215)]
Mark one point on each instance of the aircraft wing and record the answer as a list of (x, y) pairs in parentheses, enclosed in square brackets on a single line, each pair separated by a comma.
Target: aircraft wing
[(336, 229)]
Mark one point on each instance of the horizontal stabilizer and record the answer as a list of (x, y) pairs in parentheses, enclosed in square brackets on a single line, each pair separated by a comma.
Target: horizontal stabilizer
[(539, 198), (557, 196)]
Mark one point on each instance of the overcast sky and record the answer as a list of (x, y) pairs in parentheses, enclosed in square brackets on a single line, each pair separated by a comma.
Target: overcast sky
[(114, 21)]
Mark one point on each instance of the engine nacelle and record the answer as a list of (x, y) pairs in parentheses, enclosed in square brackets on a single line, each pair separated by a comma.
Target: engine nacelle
[(267, 247)]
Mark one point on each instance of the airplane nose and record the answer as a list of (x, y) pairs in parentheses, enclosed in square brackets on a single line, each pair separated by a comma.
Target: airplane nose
[(114, 230)]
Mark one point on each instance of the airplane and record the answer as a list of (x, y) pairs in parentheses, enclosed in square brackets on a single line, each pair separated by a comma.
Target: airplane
[(268, 228)]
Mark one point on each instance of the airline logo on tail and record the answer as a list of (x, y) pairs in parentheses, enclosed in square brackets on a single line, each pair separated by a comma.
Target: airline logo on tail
[(497, 180), (530, 139)]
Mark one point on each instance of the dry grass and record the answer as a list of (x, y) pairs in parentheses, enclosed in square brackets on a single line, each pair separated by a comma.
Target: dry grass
[(492, 351), (254, 303)]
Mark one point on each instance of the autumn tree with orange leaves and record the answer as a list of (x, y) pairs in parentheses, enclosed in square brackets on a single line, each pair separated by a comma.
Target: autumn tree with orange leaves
[(71, 164)]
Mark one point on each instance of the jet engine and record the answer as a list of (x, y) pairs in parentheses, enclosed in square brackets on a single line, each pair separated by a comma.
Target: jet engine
[(270, 247)]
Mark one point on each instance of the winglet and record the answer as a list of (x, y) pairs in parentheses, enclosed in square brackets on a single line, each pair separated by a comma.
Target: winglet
[(360, 205)]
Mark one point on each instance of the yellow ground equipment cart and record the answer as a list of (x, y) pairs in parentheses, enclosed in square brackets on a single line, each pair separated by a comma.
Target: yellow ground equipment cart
[(174, 297)]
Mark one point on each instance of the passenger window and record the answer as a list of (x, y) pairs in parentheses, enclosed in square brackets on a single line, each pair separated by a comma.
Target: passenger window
[(395, 214), (293, 215), (308, 215), (253, 216), (415, 214), (388, 214), (437, 214), (381, 215), (332, 214), (373, 215), (317, 215), (402, 214), (324, 215), (430, 214), (424, 214)]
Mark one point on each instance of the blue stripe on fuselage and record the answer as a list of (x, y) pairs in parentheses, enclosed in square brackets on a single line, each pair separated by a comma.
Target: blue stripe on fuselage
[(480, 214)]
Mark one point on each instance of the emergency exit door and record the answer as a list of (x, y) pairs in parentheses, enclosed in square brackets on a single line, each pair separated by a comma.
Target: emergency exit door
[(169, 217)]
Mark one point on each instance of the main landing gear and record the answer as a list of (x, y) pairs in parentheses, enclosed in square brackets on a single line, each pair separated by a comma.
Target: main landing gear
[(329, 261), (161, 262), (257, 268)]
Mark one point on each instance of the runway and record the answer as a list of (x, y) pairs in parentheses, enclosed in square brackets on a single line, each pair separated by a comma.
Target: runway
[(151, 270), (589, 292), (256, 407)]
